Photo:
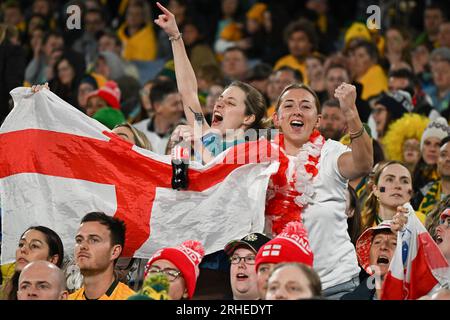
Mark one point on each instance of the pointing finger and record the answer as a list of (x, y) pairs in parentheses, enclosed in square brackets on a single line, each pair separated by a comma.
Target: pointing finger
[(163, 9)]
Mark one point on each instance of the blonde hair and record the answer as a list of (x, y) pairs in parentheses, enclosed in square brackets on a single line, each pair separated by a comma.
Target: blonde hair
[(410, 126), (140, 137)]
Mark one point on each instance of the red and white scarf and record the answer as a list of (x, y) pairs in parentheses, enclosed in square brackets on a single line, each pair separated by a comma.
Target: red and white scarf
[(289, 192)]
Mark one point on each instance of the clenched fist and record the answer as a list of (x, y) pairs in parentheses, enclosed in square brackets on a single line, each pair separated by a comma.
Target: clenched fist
[(346, 94)]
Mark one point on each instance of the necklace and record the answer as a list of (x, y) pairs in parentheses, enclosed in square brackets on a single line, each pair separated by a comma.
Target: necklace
[(290, 191)]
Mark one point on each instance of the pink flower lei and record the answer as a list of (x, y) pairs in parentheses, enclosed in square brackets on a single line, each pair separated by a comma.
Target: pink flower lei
[(288, 193)]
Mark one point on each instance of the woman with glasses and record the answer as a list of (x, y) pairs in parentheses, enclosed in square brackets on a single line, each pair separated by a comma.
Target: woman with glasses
[(180, 266), (388, 108)]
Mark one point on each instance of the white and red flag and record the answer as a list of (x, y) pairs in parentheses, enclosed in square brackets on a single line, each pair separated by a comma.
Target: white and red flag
[(57, 164), (417, 266)]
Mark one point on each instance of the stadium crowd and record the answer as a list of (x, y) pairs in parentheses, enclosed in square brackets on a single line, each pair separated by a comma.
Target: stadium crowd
[(362, 106)]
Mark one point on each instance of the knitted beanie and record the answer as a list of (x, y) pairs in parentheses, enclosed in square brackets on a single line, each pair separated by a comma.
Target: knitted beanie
[(397, 103), (109, 117), (438, 128), (291, 245), (110, 92), (186, 258)]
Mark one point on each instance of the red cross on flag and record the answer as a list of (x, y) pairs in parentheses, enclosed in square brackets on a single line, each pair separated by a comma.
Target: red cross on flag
[(57, 164)]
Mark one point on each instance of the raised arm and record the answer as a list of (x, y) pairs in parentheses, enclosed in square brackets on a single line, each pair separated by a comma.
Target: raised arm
[(359, 161), (186, 80)]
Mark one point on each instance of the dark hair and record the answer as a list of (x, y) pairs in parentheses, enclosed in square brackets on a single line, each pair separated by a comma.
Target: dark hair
[(437, 6), (11, 5), (337, 66), (112, 35), (161, 89), (44, 23), (299, 86), (236, 49), (96, 11), (55, 247), (445, 140), (378, 154), (297, 74), (305, 26), (114, 225), (370, 48), (315, 285), (403, 73), (380, 231), (413, 81), (50, 34), (260, 71), (354, 222), (255, 104), (332, 103)]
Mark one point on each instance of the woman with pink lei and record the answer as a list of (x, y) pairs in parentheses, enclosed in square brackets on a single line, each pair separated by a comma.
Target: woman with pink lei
[(312, 181)]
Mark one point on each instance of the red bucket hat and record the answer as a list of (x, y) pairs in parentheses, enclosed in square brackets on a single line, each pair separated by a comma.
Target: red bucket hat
[(365, 241)]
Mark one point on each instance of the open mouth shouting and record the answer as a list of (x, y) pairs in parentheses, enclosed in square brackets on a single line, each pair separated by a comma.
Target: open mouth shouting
[(296, 125), (438, 239), (217, 118), (241, 276), (383, 260)]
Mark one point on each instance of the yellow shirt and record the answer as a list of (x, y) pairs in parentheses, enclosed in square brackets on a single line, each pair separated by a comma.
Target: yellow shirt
[(117, 291), (141, 46), (292, 62), (374, 82)]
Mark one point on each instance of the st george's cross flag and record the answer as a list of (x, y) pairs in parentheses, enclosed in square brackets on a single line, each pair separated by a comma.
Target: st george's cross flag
[(417, 266), (57, 164)]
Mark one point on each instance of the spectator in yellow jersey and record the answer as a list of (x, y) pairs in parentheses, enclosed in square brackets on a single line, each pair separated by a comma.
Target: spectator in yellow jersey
[(366, 70), (137, 34), (301, 39), (98, 245)]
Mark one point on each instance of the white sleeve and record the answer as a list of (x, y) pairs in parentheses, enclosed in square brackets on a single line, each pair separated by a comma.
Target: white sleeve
[(331, 152)]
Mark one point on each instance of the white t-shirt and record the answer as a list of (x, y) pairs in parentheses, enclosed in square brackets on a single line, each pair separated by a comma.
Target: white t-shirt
[(326, 221), (159, 144)]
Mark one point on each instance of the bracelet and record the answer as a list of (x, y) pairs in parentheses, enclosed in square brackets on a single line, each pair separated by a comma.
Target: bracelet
[(359, 133), (176, 37)]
